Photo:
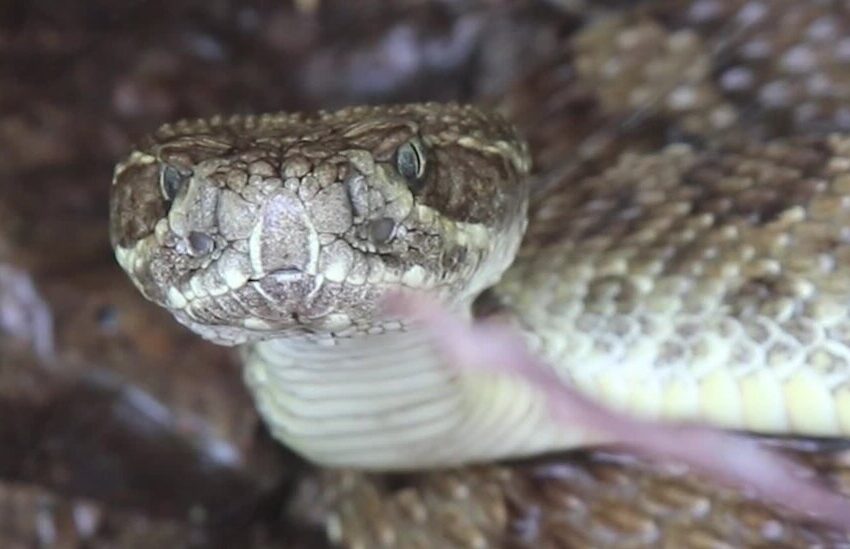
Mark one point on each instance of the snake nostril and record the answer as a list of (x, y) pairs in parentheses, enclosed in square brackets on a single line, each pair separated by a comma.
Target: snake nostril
[(200, 243)]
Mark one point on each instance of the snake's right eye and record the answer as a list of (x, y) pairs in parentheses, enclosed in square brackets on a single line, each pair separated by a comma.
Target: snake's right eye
[(410, 162), (170, 181)]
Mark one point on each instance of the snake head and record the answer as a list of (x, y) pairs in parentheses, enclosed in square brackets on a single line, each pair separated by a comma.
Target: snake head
[(283, 225)]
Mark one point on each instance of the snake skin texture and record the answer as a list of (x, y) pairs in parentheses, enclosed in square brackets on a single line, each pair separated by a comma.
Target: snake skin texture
[(736, 231), (731, 259), (599, 500), (594, 499)]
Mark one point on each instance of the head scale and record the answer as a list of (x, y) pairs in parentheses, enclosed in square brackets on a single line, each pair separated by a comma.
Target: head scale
[(295, 225)]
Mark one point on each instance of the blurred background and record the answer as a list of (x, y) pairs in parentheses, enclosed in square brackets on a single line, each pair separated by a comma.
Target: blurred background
[(120, 429)]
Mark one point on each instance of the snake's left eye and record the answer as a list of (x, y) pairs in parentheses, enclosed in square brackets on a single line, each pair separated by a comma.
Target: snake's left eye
[(171, 180), (410, 163)]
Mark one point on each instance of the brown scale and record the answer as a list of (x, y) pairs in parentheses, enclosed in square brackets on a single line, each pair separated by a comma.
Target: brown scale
[(696, 70), (713, 68), (784, 65), (583, 499), (594, 498)]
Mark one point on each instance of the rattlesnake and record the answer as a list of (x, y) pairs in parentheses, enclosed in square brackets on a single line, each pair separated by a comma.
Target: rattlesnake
[(697, 282)]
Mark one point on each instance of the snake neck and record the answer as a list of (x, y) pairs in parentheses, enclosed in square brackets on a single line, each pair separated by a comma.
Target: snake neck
[(388, 401), (352, 401)]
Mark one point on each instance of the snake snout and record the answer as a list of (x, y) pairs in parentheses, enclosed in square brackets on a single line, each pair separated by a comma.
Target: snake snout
[(283, 239)]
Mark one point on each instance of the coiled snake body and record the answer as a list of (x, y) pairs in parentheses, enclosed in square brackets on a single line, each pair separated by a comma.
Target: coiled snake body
[(687, 284)]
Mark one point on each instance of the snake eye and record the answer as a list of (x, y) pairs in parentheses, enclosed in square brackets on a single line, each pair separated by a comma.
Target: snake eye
[(410, 162), (170, 181)]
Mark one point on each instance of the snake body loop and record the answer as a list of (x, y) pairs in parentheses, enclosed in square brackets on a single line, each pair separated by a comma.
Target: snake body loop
[(708, 291)]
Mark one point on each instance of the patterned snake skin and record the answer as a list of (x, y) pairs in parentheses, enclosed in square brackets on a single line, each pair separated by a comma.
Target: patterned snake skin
[(715, 265)]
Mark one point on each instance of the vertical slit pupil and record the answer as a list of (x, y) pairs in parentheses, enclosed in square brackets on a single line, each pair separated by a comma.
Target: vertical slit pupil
[(171, 181), (411, 164)]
